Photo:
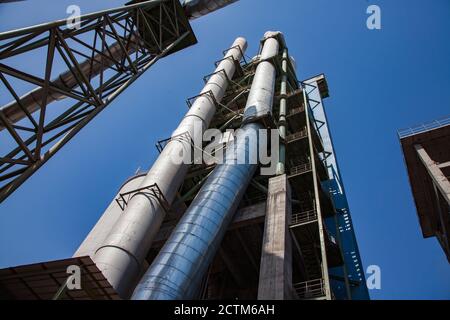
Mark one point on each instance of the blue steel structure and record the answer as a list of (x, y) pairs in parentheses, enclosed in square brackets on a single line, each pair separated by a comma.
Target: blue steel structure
[(347, 281)]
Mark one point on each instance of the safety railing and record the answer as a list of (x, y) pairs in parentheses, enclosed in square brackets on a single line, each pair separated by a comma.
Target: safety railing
[(424, 127), (304, 217), (297, 135), (300, 169), (311, 289), (296, 111)]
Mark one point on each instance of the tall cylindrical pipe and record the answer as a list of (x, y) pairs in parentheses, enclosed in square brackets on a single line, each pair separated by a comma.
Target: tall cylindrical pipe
[(177, 271), (260, 98), (283, 112), (122, 253), (110, 216)]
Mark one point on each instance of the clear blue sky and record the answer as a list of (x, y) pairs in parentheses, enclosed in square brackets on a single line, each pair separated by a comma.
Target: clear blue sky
[(379, 81)]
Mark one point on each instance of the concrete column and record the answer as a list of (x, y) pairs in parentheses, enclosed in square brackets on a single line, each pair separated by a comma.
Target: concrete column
[(436, 174), (275, 276), (441, 185)]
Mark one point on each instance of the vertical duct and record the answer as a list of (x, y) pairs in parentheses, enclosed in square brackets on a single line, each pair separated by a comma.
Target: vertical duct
[(283, 111), (177, 271), (121, 254)]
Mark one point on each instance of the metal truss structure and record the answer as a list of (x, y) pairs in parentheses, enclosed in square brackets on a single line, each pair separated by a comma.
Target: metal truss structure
[(103, 55)]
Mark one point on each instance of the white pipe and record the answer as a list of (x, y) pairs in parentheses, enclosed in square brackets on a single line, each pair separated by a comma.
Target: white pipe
[(121, 255), (260, 99), (100, 231)]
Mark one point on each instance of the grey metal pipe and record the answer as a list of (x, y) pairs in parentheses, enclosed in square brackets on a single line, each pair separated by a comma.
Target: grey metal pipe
[(283, 112), (197, 8), (177, 271), (260, 98), (121, 254)]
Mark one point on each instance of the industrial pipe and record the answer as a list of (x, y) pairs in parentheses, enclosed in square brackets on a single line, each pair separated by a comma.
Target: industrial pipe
[(197, 8), (177, 271), (121, 255), (282, 114)]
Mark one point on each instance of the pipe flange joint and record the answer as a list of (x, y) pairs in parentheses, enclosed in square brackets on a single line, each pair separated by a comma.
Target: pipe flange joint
[(283, 96)]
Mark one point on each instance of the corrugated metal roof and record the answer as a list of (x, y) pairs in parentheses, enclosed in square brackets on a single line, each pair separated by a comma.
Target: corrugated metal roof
[(41, 281)]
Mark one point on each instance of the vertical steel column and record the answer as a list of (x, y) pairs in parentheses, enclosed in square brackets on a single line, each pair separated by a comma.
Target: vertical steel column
[(283, 112), (325, 276)]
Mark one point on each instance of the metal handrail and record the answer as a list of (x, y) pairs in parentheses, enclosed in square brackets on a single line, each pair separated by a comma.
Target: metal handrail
[(402, 133), (296, 111), (302, 168), (297, 135), (310, 289), (304, 217)]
